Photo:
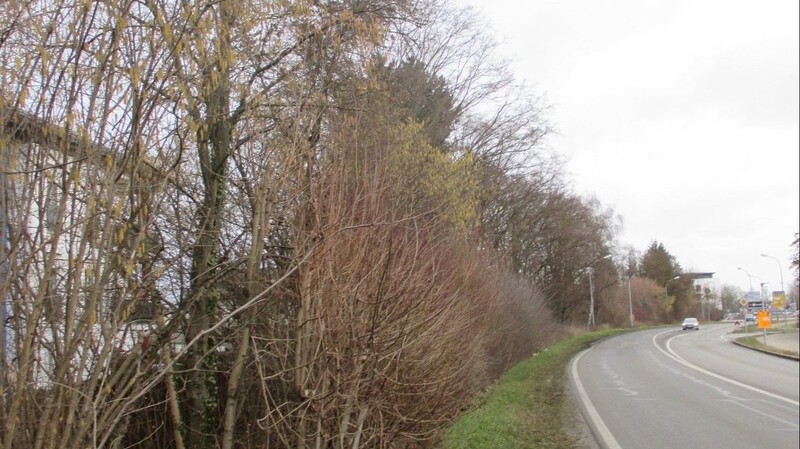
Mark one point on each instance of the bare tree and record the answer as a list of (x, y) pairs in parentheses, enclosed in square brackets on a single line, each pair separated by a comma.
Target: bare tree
[(225, 226)]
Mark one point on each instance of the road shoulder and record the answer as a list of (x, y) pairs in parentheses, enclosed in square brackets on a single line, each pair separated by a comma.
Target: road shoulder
[(574, 422), (784, 344)]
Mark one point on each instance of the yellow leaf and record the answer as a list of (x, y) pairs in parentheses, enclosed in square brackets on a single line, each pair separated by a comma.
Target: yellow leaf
[(134, 74), (76, 175)]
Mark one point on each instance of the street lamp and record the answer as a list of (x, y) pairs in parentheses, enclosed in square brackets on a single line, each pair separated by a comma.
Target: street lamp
[(591, 291), (750, 278), (783, 292), (760, 292), (779, 267), (630, 301), (666, 296)]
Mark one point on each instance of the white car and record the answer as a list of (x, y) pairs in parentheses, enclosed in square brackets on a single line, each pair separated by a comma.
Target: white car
[(691, 323)]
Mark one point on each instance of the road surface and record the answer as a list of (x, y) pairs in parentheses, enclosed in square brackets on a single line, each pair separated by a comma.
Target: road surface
[(670, 388)]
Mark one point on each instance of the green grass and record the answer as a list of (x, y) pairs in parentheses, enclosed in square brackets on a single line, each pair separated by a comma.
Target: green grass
[(756, 341), (524, 410)]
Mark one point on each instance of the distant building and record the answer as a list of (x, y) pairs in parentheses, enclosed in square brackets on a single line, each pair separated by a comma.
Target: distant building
[(65, 284)]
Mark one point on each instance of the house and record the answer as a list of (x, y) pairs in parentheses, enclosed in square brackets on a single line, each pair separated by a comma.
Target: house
[(71, 269)]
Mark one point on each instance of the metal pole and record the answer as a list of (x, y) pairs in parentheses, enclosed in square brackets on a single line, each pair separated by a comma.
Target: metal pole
[(591, 300), (630, 301), (591, 290), (749, 278), (779, 268), (666, 296)]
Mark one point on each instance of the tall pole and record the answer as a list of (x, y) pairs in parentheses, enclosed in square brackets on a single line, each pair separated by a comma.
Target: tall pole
[(630, 301), (591, 290), (779, 268), (783, 292), (591, 300), (666, 296), (749, 278)]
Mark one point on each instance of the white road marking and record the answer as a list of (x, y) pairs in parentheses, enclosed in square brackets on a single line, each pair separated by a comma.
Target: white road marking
[(603, 433), (671, 354), (792, 425)]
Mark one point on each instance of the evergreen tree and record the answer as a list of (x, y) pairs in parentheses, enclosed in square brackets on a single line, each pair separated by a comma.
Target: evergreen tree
[(658, 264)]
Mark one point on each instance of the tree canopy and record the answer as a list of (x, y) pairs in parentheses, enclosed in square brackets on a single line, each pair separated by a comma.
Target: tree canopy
[(276, 224)]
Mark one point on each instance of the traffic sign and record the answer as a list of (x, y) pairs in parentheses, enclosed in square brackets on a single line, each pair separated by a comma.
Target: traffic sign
[(763, 319), (743, 302), (778, 300), (752, 296)]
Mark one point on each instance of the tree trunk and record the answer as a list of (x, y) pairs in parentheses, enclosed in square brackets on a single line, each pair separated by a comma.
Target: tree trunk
[(214, 139)]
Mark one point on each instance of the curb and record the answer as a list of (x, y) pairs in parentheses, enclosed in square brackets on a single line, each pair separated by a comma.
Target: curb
[(767, 351)]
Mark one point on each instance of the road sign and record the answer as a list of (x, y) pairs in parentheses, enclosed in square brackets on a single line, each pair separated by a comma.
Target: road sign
[(753, 305), (763, 319), (752, 296), (778, 300), (743, 302)]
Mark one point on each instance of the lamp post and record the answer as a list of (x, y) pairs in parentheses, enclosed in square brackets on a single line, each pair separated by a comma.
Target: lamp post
[(666, 296), (750, 278), (760, 297), (590, 323), (783, 292), (630, 300), (779, 268), (760, 289)]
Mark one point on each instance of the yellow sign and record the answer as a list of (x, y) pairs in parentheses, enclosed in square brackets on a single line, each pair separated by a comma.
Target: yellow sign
[(763, 319), (743, 302), (778, 300)]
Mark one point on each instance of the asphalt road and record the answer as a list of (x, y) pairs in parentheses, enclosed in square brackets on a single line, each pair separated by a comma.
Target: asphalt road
[(672, 388)]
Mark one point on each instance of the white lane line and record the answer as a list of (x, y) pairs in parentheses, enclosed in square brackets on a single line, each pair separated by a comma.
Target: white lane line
[(792, 425), (603, 433), (671, 354)]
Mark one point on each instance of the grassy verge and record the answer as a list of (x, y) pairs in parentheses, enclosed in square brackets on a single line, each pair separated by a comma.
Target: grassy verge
[(524, 410), (756, 342)]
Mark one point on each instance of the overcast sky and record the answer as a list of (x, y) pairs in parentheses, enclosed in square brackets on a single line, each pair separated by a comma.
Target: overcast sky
[(681, 115)]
